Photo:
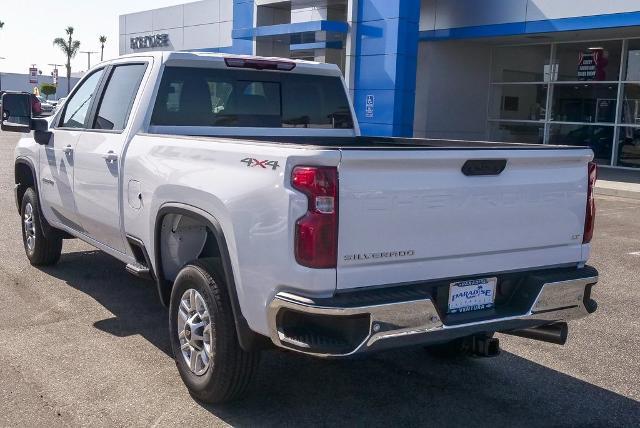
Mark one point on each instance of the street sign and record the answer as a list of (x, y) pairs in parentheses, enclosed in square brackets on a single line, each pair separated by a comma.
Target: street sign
[(33, 75), (54, 74)]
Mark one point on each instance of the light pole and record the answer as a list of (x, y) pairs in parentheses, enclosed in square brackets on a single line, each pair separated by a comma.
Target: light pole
[(89, 58), (55, 71), (1, 57)]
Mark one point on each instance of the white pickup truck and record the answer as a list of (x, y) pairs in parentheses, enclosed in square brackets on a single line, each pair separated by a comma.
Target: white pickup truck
[(243, 188)]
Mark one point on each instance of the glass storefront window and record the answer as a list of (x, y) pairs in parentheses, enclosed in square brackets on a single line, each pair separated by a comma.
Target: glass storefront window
[(598, 138), (589, 103), (591, 61), (629, 147), (521, 63), (631, 104), (633, 61), (510, 132), (594, 101), (518, 102)]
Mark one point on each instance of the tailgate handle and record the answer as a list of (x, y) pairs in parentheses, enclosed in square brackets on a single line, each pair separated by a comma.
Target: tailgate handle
[(484, 167)]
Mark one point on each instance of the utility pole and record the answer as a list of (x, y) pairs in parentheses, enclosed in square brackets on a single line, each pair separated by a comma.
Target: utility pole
[(89, 57)]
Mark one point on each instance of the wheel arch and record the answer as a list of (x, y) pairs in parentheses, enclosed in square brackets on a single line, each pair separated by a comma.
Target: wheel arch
[(25, 175), (249, 340)]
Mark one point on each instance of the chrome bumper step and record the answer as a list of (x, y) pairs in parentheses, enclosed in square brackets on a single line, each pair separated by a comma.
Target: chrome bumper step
[(396, 317)]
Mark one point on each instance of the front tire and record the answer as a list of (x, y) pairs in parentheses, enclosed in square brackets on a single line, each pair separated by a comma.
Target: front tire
[(205, 345), (41, 250)]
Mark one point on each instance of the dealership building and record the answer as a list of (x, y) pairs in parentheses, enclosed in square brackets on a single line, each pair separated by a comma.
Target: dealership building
[(535, 71)]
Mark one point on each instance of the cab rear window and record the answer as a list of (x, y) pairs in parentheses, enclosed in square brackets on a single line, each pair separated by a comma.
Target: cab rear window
[(248, 98)]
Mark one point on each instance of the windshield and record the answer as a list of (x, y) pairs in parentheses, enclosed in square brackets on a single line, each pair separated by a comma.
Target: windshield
[(248, 98)]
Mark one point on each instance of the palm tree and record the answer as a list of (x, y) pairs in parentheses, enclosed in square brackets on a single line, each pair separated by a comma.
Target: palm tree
[(103, 40), (70, 48)]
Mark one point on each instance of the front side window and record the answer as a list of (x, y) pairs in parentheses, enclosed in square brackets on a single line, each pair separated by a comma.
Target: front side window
[(247, 98), (118, 97), (77, 107)]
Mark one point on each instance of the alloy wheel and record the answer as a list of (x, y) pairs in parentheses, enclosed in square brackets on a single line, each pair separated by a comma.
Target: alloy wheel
[(195, 332), (29, 227)]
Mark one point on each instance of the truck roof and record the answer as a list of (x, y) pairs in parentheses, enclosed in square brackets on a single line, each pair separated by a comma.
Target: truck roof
[(189, 56)]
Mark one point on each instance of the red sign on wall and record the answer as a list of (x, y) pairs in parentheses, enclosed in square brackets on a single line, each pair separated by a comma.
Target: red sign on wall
[(592, 65)]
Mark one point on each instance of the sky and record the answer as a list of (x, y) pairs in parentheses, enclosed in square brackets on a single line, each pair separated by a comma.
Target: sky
[(31, 25)]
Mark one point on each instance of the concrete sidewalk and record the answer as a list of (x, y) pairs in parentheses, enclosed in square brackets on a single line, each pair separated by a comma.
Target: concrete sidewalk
[(618, 182)]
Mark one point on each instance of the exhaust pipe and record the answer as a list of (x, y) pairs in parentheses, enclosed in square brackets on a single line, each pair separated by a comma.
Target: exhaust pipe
[(551, 333)]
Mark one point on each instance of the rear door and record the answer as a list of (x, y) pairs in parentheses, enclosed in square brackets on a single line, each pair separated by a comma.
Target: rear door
[(98, 156), (413, 215)]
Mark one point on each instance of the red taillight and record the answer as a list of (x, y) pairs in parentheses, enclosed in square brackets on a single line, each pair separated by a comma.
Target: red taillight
[(589, 220), (259, 64), (316, 240)]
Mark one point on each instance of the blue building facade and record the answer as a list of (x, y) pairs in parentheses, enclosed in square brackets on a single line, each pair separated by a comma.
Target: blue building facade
[(550, 71)]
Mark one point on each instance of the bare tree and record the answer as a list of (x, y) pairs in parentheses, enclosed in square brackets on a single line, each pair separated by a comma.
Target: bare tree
[(70, 48)]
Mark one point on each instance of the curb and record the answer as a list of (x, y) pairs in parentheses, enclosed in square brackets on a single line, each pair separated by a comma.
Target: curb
[(607, 191)]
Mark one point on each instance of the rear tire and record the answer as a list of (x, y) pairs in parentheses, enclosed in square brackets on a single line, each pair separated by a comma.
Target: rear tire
[(205, 345), (41, 250)]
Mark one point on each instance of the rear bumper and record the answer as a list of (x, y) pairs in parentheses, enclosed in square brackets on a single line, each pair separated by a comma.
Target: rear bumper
[(372, 320)]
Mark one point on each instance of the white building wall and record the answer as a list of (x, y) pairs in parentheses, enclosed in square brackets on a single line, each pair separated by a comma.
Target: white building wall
[(443, 14), (199, 25), (452, 90), (555, 9), (20, 82), (467, 13), (306, 14)]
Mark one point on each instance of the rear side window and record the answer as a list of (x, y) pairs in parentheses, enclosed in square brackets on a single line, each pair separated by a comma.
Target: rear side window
[(248, 98), (118, 97), (77, 107)]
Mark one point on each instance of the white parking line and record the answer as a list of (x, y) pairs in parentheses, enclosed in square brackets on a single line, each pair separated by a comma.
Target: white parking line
[(637, 253), (617, 210)]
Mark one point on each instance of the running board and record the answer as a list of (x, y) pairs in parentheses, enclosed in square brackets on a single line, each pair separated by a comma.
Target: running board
[(139, 270), (141, 266)]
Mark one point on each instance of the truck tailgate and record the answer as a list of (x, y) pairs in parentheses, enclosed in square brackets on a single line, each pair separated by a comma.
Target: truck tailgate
[(412, 215)]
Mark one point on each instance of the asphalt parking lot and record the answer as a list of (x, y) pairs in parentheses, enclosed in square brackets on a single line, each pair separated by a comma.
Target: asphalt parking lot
[(85, 343)]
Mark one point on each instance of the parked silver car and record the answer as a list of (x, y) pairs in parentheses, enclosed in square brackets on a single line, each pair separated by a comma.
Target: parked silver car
[(47, 107)]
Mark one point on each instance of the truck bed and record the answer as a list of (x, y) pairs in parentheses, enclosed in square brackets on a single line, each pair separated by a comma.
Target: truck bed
[(362, 142)]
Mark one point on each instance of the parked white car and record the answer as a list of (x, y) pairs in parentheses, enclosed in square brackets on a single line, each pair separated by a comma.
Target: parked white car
[(243, 188), (58, 104)]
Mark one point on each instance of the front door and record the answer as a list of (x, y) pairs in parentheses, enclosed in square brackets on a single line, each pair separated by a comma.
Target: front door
[(57, 158), (99, 157)]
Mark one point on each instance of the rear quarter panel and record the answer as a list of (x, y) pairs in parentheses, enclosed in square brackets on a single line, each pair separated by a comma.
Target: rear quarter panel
[(255, 207)]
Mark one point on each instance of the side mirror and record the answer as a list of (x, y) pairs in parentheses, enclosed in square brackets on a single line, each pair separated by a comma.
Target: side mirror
[(16, 112)]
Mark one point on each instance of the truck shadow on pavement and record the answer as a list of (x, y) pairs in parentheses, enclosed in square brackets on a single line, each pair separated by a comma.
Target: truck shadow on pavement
[(133, 301), (405, 387)]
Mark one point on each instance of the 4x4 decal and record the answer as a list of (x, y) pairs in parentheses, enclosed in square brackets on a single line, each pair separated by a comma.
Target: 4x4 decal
[(251, 163)]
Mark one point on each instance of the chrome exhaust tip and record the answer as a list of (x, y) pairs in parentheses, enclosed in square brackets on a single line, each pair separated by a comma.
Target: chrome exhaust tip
[(552, 333)]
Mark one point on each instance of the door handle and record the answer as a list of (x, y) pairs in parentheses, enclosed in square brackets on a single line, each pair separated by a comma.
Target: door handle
[(68, 150), (111, 156)]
